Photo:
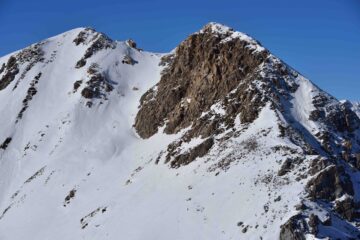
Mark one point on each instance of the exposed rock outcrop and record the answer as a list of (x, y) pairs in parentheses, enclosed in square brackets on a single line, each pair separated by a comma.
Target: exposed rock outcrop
[(6, 143), (329, 184), (11, 69), (29, 96), (294, 229), (29, 56), (345, 206), (97, 41), (97, 86), (205, 68), (313, 223), (288, 165), (128, 60), (186, 158)]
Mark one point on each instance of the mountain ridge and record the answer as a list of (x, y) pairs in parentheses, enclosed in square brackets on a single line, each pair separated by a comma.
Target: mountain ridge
[(101, 136)]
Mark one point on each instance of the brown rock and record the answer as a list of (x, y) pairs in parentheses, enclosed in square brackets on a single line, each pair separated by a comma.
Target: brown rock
[(102, 42), (288, 165), (77, 84), (128, 60), (87, 93), (82, 36), (318, 165), (316, 115), (80, 63), (330, 184), (2, 68), (313, 224), (31, 92), (198, 151), (205, 70), (131, 43), (97, 86), (10, 72), (346, 207), (293, 229)]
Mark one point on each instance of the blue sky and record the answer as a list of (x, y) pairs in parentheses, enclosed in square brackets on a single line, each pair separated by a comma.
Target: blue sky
[(319, 38)]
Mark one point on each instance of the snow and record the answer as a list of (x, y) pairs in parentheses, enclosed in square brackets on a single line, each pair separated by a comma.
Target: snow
[(302, 103)]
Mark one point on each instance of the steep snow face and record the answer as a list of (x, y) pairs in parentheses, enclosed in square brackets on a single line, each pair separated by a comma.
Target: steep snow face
[(72, 166)]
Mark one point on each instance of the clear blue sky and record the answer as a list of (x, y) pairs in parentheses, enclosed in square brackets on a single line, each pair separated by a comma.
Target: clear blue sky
[(319, 38)]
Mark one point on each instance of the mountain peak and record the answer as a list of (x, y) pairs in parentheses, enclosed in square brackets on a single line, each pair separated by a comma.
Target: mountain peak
[(95, 131), (229, 34), (216, 28)]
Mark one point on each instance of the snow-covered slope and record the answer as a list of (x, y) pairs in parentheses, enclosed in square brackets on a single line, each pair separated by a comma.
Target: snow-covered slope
[(217, 140)]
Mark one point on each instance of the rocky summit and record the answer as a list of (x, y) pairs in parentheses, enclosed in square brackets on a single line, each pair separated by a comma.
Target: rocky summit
[(218, 139)]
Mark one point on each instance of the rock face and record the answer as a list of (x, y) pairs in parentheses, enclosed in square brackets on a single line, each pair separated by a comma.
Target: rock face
[(5, 144), (330, 184), (97, 86), (98, 42), (294, 228), (198, 151), (346, 208), (205, 68), (29, 95), (11, 69), (218, 139), (27, 57)]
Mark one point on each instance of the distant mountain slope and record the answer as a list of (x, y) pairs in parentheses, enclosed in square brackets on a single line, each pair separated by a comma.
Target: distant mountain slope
[(218, 139)]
